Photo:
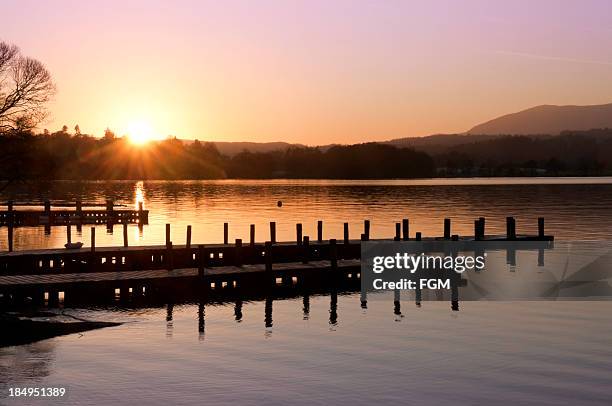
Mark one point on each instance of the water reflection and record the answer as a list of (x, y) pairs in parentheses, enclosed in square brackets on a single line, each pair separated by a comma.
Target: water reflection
[(207, 205)]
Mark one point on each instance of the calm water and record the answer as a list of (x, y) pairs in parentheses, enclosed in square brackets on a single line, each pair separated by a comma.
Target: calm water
[(574, 208), (331, 351)]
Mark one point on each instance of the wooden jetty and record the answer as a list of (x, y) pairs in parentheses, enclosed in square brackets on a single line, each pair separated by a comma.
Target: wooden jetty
[(222, 264), (63, 216)]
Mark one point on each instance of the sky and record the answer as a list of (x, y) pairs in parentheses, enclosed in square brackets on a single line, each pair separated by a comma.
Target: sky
[(311, 72)]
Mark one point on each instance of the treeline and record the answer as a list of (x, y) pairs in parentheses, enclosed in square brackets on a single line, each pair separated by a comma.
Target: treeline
[(61, 155), (577, 153)]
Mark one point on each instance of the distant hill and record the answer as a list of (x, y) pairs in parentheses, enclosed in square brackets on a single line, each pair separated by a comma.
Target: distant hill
[(434, 144), (548, 119)]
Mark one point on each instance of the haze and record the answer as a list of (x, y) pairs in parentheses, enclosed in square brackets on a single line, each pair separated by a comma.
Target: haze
[(311, 72)]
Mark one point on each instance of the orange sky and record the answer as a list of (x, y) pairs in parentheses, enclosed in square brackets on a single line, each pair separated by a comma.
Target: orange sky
[(311, 72)]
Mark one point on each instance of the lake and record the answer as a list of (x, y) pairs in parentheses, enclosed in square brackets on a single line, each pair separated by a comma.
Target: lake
[(325, 348)]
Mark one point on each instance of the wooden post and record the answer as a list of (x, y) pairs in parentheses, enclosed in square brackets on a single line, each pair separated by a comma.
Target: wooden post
[(10, 238), (169, 256), (273, 232), (405, 229), (168, 234), (238, 251), (93, 239), (79, 208), (510, 228), (320, 231), (333, 253), (447, 229), (109, 206), (268, 255), (541, 227), (188, 239), (477, 230), (398, 227), (201, 260), (47, 207), (225, 233), (252, 232), (68, 234), (346, 233), (298, 233), (366, 229), (125, 234), (140, 213), (306, 249), (418, 236)]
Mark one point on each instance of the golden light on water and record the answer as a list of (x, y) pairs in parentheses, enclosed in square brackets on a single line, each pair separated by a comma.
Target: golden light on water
[(139, 194)]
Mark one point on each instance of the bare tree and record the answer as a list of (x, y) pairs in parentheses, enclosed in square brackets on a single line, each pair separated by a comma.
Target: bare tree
[(25, 87)]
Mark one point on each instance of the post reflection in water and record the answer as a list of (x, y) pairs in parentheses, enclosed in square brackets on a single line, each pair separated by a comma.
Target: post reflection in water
[(268, 317), (169, 323), (306, 307), (238, 311), (397, 308), (201, 321), (333, 310)]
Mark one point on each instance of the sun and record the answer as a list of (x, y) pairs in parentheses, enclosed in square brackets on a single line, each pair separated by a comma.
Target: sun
[(140, 132)]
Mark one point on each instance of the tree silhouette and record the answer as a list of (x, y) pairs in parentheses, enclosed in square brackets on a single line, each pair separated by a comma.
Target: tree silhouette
[(25, 88)]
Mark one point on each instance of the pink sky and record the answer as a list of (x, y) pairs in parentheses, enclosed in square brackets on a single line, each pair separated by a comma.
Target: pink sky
[(312, 72)]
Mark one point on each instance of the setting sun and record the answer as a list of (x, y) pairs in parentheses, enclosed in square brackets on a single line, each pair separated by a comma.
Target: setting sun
[(140, 132)]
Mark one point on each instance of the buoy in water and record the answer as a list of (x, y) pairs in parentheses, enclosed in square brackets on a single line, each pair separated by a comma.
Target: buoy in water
[(279, 203)]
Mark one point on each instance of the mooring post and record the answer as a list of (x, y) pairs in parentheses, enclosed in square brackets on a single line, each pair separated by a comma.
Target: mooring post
[(333, 253), (268, 255), (167, 234), (79, 207), (346, 233), (47, 207), (418, 236), (238, 251), (201, 260), (9, 206), (10, 238), (510, 228), (169, 256), (398, 227), (306, 249), (125, 234), (366, 229), (541, 227), (405, 229), (477, 236), (447, 228), (252, 234), (93, 239), (273, 232), (188, 238), (68, 234), (320, 231), (109, 206), (225, 233), (140, 213), (298, 233)]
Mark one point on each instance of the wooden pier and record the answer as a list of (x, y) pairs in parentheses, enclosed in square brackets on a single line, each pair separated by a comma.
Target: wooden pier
[(227, 262), (63, 216)]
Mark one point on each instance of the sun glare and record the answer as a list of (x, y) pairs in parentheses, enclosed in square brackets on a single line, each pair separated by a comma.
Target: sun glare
[(140, 132)]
